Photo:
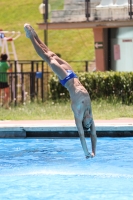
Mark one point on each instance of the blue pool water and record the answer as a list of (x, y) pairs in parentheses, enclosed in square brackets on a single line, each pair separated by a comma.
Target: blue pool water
[(55, 169)]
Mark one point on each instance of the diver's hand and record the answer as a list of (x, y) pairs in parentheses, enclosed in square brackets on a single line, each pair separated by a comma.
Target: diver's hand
[(90, 155)]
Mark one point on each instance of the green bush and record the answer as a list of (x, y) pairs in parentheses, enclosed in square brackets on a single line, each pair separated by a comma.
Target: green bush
[(109, 84)]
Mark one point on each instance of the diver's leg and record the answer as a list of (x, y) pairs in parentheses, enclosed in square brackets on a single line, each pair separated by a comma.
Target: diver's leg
[(58, 65), (30, 33)]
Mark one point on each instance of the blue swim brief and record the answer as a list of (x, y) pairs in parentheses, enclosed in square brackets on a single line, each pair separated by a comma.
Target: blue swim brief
[(70, 75)]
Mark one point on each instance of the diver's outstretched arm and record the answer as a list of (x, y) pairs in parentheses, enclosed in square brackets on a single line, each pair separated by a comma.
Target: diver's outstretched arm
[(82, 138), (58, 65), (93, 138)]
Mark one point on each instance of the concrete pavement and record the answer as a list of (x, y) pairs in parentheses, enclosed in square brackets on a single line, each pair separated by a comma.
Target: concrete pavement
[(122, 127)]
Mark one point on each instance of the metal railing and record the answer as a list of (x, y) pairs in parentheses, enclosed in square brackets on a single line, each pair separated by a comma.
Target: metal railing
[(29, 80), (93, 11), (116, 11), (26, 86), (40, 65)]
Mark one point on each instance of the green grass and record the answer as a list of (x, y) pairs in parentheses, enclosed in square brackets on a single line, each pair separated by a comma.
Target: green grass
[(71, 44), (62, 110)]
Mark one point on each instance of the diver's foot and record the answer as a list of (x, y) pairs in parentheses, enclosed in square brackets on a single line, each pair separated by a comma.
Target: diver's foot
[(29, 31)]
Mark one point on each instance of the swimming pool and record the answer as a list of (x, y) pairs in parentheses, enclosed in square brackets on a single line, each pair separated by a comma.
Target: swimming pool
[(56, 169)]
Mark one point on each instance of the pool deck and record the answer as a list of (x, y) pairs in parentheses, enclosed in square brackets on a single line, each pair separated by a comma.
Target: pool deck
[(122, 127)]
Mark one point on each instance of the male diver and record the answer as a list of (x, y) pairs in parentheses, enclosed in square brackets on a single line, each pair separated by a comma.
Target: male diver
[(80, 99)]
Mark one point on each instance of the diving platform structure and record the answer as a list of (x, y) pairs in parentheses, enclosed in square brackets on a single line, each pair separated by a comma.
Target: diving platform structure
[(112, 24)]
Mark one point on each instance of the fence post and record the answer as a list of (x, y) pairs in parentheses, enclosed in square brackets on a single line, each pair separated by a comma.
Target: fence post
[(36, 85), (42, 85), (32, 82), (86, 65), (87, 9), (22, 84), (11, 80), (16, 82), (130, 8)]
